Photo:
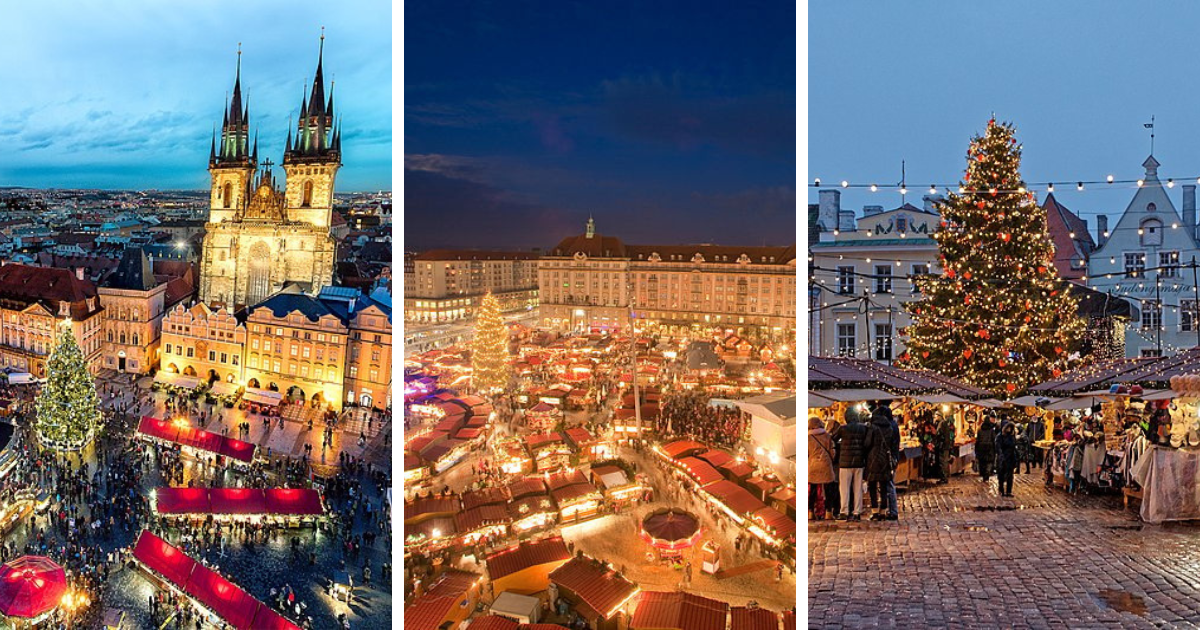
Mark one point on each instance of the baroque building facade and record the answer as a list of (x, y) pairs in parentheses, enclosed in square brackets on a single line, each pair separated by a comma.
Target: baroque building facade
[(259, 238)]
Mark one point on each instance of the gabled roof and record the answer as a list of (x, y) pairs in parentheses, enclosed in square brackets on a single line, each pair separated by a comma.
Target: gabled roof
[(133, 273), (600, 587), (681, 611), (526, 555)]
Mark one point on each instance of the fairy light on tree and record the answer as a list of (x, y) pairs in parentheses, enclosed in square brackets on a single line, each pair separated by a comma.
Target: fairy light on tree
[(489, 348), (998, 316), (68, 409)]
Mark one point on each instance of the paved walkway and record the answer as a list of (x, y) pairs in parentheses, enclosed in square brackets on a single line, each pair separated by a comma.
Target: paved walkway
[(963, 557)]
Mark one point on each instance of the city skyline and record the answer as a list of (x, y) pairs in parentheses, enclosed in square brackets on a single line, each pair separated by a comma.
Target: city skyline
[(95, 115), (520, 125)]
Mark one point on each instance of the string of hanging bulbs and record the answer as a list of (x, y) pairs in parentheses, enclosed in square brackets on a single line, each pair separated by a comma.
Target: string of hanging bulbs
[(1109, 182)]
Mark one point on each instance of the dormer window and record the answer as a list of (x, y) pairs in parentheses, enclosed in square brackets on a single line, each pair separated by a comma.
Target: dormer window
[(901, 223), (1150, 207), (1151, 232)]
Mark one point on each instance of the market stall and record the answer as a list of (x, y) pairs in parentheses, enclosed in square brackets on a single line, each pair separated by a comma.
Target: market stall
[(31, 589)]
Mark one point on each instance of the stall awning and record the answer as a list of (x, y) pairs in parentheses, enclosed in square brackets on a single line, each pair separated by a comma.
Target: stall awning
[(989, 403), (294, 502), (165, 559), (177, 380), (1026, 401), (856, 395), (1075, 402), (223, 388), (262, 396), (817, 401), (233, 604), (237, 501), (20, 378), (1162, 394), (181, 501)]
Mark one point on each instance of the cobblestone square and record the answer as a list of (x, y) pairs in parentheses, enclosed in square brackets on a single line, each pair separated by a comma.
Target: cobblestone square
[(961, 556)]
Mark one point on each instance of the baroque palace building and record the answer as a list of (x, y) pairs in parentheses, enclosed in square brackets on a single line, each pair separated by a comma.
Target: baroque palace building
[(591, 281), (268, 317)]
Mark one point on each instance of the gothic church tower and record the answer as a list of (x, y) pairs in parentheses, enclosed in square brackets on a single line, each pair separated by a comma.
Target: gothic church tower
[(259, 239)]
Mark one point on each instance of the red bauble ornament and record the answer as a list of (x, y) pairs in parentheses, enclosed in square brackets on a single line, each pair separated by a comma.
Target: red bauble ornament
[(949, 272), (1058, 349), (1005, 236), (979, 157), (1057, 372), (1010, 387), (925, 354), (1002, 363), (1041, 270), (980, 204), (966, 275), (967, 353)]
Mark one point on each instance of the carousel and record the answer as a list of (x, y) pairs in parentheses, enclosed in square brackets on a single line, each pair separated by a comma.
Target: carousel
[(671, 531)]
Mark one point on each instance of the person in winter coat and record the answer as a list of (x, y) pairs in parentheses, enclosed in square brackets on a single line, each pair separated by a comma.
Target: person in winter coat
[(1006, 446), (985, 448), (820, 467), (881, 463), (854, 441), (945, 443)]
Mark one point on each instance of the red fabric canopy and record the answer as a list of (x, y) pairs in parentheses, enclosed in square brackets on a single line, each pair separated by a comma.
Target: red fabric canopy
[(237, 449), (267, 619), (222, 596), (30, 586), (201, 439), (160, 429), (294, 501), (181, 500), (237, 501), (164, 558)]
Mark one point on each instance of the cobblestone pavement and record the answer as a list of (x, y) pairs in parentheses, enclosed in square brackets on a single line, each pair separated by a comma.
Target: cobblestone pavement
[(961, 556)]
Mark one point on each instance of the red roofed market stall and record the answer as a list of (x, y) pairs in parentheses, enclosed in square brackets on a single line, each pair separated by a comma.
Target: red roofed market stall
[(31, 587), (190, 437)]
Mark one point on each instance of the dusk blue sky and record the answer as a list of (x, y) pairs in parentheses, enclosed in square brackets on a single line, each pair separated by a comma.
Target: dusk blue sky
[(670, 122), (125, 94), (915, 80)]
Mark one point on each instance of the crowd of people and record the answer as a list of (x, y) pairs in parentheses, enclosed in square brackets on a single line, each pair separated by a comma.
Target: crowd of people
[(687, 413)]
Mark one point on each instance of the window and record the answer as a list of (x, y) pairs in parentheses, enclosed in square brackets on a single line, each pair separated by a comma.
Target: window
[(253, 362), (883, 278), (1135, 264), (883, 342), (306, 201), (275, 366), (845, 278), (1187, 315), (1148, 353), (254, 343), (212, 355), (1151, 315), (1151, 233), (189, 353), (168, 350), (227, 195), (295, 350), (847, 339), (353, 371), (918, 269), (235, 359), (224, 358), (901, 224), (1168, 263), (375, 356), (307, 352)]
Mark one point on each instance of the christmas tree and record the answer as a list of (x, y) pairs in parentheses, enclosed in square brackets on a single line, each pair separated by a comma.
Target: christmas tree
[(68, 409), (998, 316), (489, 348)]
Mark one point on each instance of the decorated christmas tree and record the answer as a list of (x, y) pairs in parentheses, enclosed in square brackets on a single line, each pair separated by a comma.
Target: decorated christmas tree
[(998, 316), (68, 409), (489, 348)]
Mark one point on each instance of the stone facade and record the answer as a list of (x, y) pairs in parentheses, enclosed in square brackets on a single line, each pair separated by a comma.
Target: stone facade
[(201, 342), (132, 328), (369, 358)]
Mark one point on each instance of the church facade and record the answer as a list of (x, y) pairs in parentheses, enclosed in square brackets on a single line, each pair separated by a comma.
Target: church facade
[(260, 238)]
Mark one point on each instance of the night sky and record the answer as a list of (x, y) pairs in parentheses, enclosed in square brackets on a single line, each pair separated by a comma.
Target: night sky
[(914, 81), (668, 122), (125, 94)]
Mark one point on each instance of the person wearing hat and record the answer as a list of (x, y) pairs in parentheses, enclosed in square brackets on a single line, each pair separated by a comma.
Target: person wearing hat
[(854, 440), (985, 447), (820, 467)]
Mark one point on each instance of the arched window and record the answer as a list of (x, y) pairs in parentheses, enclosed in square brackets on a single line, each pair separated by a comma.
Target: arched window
[(228, 195), (135, 339), (1151, 233), (306, 201), (259, 286)]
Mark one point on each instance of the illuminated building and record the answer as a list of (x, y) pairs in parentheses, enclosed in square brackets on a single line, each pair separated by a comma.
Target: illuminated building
[(447, 285)]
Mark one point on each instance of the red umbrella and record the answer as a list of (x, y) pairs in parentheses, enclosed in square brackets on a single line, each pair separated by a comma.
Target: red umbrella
[(30, 586)]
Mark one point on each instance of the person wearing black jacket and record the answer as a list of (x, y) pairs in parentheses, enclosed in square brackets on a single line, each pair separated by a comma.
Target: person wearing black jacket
[(1006, 444), (985, 448), (854, 441), (881, 463)]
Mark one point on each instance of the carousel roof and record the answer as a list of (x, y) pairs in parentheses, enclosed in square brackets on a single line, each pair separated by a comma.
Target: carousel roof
[(30, 586), (670, 524)]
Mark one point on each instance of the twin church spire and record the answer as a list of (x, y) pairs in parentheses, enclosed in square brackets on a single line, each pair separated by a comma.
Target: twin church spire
[(318, 137)]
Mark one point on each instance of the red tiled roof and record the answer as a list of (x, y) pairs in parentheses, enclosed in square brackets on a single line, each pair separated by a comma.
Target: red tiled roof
[(537, 504), (776, 522), (430, 610), (680, 448), (567, 494), (736, 469), (471, 520), (735, 497), (753, 619), (541, 439), (699, 470), (22, 285), (564, 479), (437, 504), (579, 435), (485, 496), (679, 611), (525, 555), (715, 458), (492, 622), (526, 487), (601, 588)]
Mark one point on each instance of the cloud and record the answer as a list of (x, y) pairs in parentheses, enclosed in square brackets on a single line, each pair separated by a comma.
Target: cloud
[(688, 114)]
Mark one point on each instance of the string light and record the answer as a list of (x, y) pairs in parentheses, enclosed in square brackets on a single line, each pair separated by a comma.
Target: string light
[(1110, 179), (875, 188)]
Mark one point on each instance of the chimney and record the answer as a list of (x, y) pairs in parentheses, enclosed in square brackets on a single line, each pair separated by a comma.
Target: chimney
[(830, 206), (1189, 208), (846, 220), (1101, 230), (869, 211)]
